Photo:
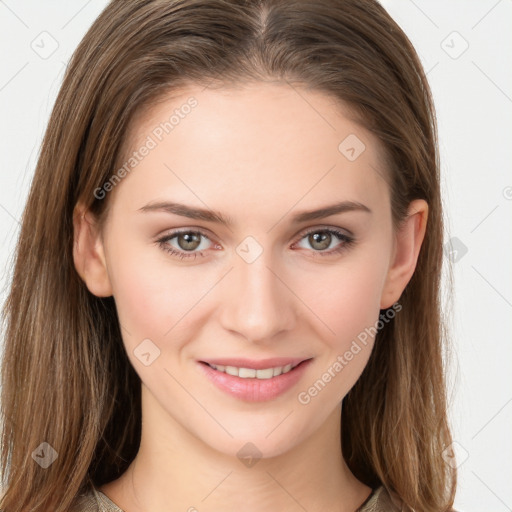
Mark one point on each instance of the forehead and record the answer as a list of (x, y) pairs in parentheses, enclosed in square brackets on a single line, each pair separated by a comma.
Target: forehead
[(258, 144)]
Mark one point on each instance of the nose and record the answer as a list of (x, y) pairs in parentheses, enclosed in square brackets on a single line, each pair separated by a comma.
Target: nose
[(257, 304)]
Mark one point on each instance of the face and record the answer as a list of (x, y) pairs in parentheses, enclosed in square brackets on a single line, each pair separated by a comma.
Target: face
[(266, 287)]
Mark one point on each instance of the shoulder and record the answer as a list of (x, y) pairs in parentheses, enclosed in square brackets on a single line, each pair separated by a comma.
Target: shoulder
[(93, 500), (380, 500)]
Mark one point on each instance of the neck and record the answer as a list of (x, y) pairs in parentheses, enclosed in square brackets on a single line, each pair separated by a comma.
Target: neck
[(174, 468)]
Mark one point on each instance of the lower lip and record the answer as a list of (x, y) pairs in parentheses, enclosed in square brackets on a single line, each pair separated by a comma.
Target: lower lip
[(255, 390)]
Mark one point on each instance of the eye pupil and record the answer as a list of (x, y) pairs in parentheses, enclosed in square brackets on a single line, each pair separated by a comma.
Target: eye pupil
[(322, 237), (191, 241)]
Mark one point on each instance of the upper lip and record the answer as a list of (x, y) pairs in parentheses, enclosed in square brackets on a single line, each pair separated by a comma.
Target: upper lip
[(256, 364)]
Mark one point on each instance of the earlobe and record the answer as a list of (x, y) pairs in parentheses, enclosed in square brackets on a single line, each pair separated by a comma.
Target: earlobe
[(407, 247), (88, 253)]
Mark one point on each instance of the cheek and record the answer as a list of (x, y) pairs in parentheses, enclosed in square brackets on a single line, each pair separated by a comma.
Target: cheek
[(155, 298), (350, 311), (345, 297), (149, 295)]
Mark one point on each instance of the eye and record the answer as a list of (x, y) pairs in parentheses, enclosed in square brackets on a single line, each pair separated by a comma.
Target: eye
[(184, 244), (191, 243), (321, 239)]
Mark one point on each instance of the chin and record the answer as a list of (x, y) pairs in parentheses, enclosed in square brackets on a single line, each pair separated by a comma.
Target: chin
[(254, 448), (258, 437)]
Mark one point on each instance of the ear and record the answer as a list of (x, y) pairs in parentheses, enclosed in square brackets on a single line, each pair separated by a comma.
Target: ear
[(88, 253), (407, 246)]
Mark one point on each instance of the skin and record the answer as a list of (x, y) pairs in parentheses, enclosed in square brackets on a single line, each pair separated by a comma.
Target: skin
[(257, 154)]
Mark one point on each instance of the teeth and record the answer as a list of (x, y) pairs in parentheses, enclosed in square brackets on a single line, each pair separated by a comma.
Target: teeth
[(267, 373), (251, 373), (246, 373), (231, 370)]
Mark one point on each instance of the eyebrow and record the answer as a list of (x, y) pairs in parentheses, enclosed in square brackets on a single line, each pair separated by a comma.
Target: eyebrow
[(213, 216)]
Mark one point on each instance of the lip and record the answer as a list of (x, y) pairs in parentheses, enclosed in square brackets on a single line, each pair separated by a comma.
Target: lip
[(255, 390), (255, 364)]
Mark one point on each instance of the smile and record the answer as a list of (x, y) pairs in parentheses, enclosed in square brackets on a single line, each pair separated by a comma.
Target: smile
[(251, 373), (267, 382)]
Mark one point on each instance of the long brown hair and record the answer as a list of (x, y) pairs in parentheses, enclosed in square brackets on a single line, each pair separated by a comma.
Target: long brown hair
[(66, 379)]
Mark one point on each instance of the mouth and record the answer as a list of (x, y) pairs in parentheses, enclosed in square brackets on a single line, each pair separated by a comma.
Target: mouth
[(255, 381), (246, 372)]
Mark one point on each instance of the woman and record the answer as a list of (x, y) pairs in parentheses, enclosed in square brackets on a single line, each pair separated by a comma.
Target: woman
[(227, 278)]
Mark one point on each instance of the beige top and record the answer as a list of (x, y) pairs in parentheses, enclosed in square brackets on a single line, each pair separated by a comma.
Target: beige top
[(95, 501)]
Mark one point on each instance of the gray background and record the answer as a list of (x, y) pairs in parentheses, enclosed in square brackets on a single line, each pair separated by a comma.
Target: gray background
[(466, 48)]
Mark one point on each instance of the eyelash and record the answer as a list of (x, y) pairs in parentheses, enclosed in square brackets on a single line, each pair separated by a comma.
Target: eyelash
[(346, 239)]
